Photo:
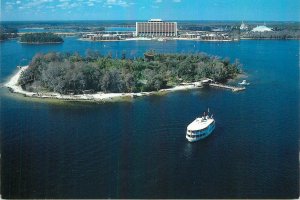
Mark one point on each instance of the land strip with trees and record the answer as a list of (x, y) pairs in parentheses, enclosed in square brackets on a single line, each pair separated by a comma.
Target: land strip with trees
[(66, 73)]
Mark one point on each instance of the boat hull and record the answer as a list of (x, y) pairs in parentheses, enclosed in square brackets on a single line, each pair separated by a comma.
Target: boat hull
[(201, 135)]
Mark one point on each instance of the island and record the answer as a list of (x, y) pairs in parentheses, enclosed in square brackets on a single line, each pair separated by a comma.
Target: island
[(3, 37), (40, 38), (8, 33), (96, 77)]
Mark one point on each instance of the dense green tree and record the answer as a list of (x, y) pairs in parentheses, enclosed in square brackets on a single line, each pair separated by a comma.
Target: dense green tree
[(73, 73), (7, 32), (3, 36), (40, 38), (281, 34)]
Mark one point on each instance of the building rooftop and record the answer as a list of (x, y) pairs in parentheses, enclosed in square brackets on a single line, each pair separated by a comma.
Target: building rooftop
[(243, 26), (199, 124), (155, 20), (261, 29)]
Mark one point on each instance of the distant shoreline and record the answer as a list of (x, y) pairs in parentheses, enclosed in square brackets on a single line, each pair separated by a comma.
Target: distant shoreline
[(153, 39), (13, 86), (41, 42), (126, 40), (180, 39)]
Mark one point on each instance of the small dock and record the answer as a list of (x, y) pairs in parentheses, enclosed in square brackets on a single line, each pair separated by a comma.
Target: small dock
[(229, 87)]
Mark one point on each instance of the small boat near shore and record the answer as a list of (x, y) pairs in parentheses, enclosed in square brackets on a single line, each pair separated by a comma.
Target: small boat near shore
[(200, 128), (244, 82)]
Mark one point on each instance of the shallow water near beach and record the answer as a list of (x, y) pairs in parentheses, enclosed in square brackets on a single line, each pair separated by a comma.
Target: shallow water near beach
[(137, 148)]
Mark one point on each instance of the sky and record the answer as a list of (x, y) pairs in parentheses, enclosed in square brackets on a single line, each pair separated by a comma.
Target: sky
[(246, 10)]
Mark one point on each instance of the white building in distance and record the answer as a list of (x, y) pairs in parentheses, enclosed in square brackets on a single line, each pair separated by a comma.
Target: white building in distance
[(263, 28), (156, 28), (243, 27)]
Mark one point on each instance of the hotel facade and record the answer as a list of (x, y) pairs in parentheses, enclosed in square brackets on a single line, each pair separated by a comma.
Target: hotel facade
[(156, 28)]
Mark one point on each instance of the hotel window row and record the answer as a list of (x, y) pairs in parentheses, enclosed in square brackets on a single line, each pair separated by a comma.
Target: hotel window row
[(156, 28)]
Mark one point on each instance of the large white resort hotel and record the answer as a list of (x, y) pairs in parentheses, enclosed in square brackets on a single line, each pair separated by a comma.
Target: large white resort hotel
[(156, 28)]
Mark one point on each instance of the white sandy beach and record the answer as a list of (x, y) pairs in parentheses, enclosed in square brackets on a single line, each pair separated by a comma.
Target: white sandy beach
[(99, 96)]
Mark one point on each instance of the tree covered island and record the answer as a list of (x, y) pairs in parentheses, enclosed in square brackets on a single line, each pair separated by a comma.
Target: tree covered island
[(67, 73), (40, 38), (7, 33)]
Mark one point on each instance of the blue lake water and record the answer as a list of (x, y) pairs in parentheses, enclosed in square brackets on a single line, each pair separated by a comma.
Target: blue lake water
[(32, 30), (42, 30), (138, 149), (119, 28)]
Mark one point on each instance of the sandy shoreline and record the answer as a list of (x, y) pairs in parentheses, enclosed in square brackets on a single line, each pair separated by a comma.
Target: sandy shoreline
[(12, 84)]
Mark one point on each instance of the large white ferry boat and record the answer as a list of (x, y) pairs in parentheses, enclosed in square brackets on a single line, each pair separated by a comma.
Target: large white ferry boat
[(200, 128)]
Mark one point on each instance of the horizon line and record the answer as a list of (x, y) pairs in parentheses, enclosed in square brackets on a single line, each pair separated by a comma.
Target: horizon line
[(214, 20)]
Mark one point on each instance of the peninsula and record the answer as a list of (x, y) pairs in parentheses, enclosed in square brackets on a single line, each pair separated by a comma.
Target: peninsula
[(97, 77)]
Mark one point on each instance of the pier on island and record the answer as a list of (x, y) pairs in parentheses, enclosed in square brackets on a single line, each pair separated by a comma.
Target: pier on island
[(211, 83), (232, 88)]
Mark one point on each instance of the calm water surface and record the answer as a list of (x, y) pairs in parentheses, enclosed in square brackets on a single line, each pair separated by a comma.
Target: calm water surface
[(138, 149)]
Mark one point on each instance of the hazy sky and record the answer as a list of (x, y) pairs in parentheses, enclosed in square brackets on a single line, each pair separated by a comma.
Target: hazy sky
[(261, 10)]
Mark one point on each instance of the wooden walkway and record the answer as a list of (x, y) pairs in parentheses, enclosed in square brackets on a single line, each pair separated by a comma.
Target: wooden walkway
[(232, 88)]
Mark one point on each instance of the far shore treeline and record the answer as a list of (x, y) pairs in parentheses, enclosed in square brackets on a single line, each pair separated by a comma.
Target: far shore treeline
[(67, 73), (40, 38)]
